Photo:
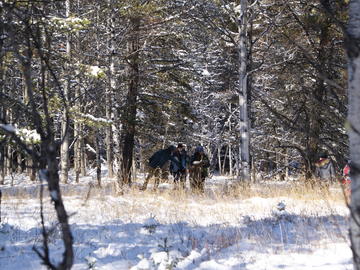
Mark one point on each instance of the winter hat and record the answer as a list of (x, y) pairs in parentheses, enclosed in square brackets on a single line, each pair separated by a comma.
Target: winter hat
[(180, 145)]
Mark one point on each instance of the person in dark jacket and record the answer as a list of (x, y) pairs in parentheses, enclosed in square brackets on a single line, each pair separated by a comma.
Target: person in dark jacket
[(179, 172), (324, 168), (158, 162), (199, 164)]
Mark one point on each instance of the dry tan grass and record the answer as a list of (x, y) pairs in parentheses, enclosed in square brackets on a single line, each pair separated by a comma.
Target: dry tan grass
[(296, 190), (222, 206), (299, 190)]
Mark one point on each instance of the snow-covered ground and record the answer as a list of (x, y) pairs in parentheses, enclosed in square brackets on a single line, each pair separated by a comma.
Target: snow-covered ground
[(168, 229)]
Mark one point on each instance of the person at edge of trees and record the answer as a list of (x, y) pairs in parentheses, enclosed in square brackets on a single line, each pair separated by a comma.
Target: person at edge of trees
[(179, 172), (324, 169), (158, 163), (199, 164), (346, 180)]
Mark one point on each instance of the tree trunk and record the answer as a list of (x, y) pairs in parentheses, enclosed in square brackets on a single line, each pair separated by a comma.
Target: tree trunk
[(83, 157), (8, 160), (77, 151), (2, 165), (244, 150), (31, 170), (98, 158), (230, 161), (224, 162), (316, 98), (287, 164), (110, 92), (129, 119), (2, 109), (55, 193), (79, 107), (219, 159), (64, 122), (45, 160), (353, 51), (253, 171), (77, 132), (229, 145)]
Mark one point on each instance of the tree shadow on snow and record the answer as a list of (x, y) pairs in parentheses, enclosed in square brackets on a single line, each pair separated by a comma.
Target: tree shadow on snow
[(182, 244)]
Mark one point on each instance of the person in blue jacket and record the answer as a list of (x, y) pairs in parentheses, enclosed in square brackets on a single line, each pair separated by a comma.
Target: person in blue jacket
[(179, 172), (159, 162)]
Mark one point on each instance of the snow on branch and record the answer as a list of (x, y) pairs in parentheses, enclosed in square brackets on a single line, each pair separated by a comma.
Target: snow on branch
[(93, 71), (91, 120), (71, 24), (26, 136)]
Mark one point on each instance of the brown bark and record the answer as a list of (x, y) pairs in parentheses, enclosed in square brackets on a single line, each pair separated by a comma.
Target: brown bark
[(129, 119)]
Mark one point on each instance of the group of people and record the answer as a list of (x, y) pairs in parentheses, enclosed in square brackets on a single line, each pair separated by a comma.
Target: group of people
[(180, 164), (324, 169)]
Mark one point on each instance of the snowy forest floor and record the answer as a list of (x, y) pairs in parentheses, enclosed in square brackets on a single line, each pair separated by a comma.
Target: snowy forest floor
[(271, 225)]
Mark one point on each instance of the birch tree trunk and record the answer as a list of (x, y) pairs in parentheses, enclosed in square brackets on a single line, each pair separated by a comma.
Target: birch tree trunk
[(64, 122), (353, 51), (244, 149), (77, 144), (224, 163), (230, 161), (230, 147), (219, 160)]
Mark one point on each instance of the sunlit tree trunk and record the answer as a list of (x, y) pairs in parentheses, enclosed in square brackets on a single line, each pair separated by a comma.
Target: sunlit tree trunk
[(64, 122), (244, 150), (28, 160), (110, 91), (353, 51), (219, 159), (83, 157), (224, 162), (230, 161), (78, 108), (230, 144), (77, 144), (97, 131)]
